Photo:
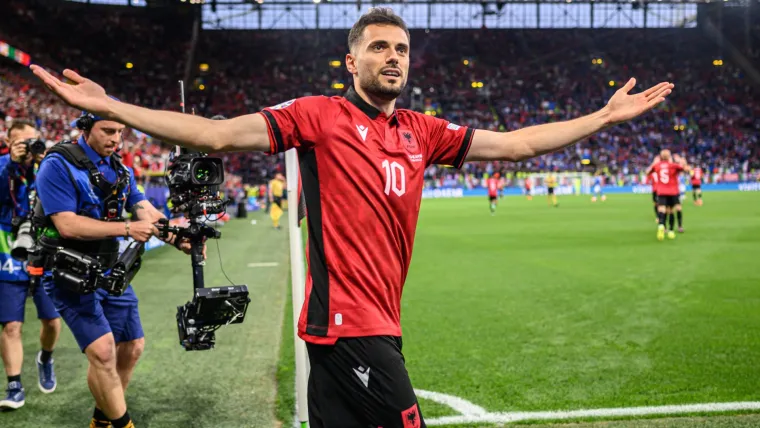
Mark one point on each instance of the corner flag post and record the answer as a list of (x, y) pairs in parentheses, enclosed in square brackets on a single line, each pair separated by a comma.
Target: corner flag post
[(298, 282)]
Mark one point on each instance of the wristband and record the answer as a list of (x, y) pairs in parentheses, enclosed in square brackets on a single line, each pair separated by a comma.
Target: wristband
[(126, 229)]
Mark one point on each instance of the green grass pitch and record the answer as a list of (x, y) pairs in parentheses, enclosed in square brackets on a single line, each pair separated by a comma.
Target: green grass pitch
[(533, 309)]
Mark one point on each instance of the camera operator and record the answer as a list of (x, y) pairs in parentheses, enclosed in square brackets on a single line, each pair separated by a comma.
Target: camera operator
[(84, 217), (16, 182)]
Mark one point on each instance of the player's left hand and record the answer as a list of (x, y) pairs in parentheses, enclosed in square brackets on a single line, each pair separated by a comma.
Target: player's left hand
[(624, 106)]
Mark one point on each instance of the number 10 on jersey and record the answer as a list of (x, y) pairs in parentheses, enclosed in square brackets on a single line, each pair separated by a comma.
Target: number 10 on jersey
[(395, 178)]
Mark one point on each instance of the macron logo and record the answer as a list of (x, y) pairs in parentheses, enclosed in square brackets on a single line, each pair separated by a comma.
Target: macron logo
[(362, 131), (363, 375)]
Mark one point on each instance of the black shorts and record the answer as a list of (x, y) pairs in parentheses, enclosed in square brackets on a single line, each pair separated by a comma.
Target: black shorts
[(361, 382), (550, 190), (696, 186), (668, 201), (277, 200), (492, 198), (654, 197)]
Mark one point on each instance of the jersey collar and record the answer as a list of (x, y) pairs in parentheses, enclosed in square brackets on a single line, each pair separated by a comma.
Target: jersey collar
[(372, 112), (92, 154)]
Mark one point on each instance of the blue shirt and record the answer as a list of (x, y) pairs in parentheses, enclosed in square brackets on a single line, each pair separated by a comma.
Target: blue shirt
[(10, 205), (57, 194)]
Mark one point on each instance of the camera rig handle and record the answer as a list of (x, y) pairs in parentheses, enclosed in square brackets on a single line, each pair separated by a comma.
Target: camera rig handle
[(197, 233)]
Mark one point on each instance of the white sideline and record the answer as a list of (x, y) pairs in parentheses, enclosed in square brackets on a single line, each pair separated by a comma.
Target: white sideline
[(458, 404), (264, 264), (573, 414)]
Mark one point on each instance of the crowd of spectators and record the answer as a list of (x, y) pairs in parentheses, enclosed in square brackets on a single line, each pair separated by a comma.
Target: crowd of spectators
[(492, 79)]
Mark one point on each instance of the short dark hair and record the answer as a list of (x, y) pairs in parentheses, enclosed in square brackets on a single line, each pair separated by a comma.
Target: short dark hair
[(376, 15), (20, 124)]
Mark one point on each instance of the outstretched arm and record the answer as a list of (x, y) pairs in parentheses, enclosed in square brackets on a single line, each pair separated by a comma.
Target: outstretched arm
[(541, 139), (247, 132)]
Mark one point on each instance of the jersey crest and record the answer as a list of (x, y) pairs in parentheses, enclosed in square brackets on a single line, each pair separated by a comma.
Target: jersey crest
[(408, 141)]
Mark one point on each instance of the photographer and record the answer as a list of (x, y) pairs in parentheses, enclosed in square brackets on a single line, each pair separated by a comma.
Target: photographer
[(84, 189), (16, 182)]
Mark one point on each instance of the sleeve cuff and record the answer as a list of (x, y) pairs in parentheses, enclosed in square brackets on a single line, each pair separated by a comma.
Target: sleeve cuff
[(276, 144), (465, 148)]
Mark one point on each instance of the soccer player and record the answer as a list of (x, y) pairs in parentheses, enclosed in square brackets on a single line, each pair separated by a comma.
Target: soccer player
[(667, 192), (528, 185), (502, 185), (682, 179), (653, 181), (360, 152), (493, 186), (276, 187), (551, 183), (696, 185), (598, 190)]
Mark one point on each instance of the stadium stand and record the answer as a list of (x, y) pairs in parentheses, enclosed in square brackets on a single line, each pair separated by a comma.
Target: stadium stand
[(535, 76)]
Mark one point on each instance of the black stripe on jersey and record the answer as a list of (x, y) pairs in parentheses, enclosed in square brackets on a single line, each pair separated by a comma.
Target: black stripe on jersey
[(318, 310), (466, 141), (275, 131)]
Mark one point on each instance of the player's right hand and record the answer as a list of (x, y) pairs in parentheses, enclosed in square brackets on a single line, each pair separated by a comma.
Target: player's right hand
[(83, 94), (18, 151), (142, 230)]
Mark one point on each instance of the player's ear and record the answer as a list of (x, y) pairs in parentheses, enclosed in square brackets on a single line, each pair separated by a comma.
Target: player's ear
[(350, 63)]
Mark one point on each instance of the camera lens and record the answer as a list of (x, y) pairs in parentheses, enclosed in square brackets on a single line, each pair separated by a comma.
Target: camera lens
[(207, 171), (202, 174)]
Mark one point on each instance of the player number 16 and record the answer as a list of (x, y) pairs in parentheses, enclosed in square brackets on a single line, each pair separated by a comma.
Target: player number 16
[(395, 179)]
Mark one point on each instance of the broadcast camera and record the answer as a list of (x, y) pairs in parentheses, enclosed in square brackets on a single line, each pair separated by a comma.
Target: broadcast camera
[(210, 308), (193, 179)]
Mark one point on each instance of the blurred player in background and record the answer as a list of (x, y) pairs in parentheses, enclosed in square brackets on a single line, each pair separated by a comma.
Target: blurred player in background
[(502, 185), (667, 192), (551, 184), (653, 181), (276, 191), (696, 185), (598, 191), (682, 180), (528, 186), (494, 186)]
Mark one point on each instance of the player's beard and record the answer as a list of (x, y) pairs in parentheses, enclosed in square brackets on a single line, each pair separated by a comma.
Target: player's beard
[(377, 89)]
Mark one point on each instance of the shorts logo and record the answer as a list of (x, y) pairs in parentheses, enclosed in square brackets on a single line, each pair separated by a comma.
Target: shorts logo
[(411, 417), (453, 127), (363, 375), (283, 105)]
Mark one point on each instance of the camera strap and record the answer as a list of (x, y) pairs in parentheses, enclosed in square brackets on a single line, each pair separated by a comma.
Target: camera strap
[(75, 154)]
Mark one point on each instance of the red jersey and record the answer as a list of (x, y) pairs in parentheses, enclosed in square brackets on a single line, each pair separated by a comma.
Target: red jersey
[(696, 179), (493, 187), (653, 180), (362, 175), (667, 178)]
